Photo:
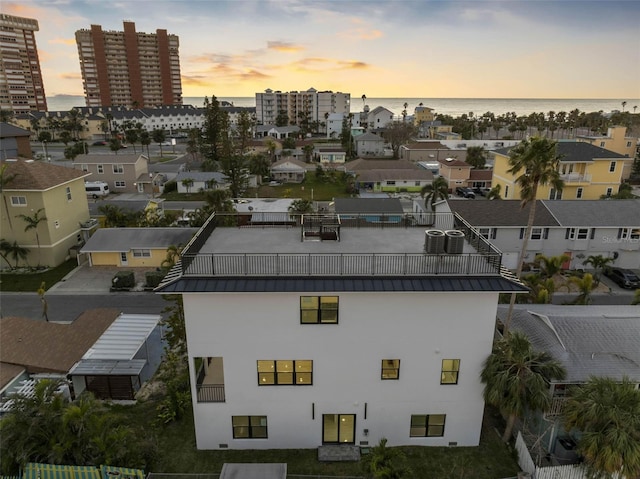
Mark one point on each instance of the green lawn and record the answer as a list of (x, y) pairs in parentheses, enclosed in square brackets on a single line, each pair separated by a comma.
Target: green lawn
[(30, 282), (177, 453), (311, 187)]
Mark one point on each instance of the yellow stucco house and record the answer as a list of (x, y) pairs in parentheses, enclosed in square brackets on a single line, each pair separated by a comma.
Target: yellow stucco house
[(133, 247), (53, 192), (615, 140), (588, 173)]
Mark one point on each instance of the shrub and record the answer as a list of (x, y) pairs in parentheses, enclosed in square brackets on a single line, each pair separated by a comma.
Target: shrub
[(123, 279), (170, 186), (153, 278)]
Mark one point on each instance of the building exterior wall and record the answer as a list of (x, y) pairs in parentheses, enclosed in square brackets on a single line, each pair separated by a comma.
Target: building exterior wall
[(347, 360), (129, 68), (312, 103), (21, 85), (115, 259), (397, 186), (594, 178), (58, 233)]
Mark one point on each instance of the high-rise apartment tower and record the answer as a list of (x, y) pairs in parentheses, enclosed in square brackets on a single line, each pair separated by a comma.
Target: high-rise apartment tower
[(21, 87), (128, 68)]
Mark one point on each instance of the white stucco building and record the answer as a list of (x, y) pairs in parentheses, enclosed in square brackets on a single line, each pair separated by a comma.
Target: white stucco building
[(326, 333)]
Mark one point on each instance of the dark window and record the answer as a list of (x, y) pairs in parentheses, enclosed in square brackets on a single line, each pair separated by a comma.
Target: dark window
[(431, 425), (249, 427)]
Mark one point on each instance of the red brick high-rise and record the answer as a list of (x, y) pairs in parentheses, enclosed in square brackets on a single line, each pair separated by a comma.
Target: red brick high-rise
[(128, 68), (21, 87)]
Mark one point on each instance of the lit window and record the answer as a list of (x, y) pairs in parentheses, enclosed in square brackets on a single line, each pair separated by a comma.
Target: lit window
[(249, 427), (18, 201), (450, 371), (318, 309), (390, 369), (431, 425), (285, 373)]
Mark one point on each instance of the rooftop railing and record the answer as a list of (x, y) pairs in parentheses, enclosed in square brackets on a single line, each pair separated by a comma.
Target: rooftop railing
[(485, 260)]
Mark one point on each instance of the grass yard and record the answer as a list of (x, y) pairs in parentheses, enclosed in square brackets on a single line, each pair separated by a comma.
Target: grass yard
[(177, 453), (30, 282), (320, 190)]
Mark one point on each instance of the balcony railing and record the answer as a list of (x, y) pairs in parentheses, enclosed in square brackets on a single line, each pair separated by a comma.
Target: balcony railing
[(557, 406), (210, 392), (575, 178), (486, 259)]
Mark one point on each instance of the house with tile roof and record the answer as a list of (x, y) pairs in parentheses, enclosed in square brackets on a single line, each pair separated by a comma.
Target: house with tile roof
[(578, 229), (14, 142), (58, 194), (588, 172), (345, 319), (388, 175), (600, 341), (124, 173)]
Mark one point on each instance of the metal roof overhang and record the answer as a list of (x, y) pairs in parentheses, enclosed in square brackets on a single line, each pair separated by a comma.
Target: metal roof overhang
[(278, 284), (124, 338), (105, 367)]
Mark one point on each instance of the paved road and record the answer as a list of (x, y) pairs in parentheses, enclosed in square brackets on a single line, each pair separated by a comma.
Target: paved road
[(67, 307)]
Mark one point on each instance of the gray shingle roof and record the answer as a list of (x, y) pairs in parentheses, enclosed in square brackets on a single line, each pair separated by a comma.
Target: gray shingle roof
[(9, 131), (598, 340), (615, 213), (501, 213), (201, 176), (120, 158), (125, 239), (576, 151)]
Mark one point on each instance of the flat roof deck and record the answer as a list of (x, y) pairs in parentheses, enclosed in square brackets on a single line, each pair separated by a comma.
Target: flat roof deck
[(285, 240)]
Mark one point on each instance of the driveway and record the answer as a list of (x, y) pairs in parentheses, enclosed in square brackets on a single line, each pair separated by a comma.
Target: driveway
[(94, 280)]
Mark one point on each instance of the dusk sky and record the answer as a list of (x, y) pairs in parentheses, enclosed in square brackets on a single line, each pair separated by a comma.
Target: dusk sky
[(391, 48)]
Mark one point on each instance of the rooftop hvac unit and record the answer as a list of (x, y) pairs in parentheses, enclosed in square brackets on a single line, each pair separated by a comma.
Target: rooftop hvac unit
[(454, 243), (434, 241)]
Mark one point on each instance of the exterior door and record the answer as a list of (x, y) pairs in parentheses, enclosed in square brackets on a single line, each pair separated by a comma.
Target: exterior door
[(338, 428), (123, 258), (140, 187)]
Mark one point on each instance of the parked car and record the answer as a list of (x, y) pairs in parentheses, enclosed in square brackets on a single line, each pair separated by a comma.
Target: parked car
[(482, 191), (99, 143), (623, 277), (465, 192)]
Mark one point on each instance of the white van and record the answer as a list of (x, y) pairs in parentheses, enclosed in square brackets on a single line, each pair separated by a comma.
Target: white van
[(96, 188)]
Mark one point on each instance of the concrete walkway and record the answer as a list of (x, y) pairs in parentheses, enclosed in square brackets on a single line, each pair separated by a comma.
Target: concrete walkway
[(94, 280)]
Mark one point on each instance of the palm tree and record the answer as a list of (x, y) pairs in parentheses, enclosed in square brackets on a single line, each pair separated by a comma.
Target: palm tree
[(404, 112), (434, 192), (494, 193), (537, 163), (516, 378), (585, 287), (16, 252), (173, 255), (551, 266), (364, 99), (301, 207), (607, 412), (634, 109), (624, 103), (599, 263), (385, 463), (33, 222), (187, 183)]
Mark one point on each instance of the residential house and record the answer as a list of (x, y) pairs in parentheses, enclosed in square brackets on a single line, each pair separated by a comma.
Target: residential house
[(577, 229), (289, 170), (588, 172), (124, 173), (422, 114), (330, 156), (600, 341), (369, 144), (456, 172), (103, 351), (14, 142), (201, 180), (334, 124), (615, 140), (133, 247), (379, 117), (56, 194), (430, 150), (344, 321), (479, 178), (388, 175), (277, 132)]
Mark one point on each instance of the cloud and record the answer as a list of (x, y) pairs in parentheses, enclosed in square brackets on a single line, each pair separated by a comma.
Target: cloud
[(63, 41), (70, 76), (284, 47), (319, 64), (353, 65)]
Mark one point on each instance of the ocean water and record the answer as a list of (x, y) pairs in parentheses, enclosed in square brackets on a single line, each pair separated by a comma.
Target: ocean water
[(448, 106)]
